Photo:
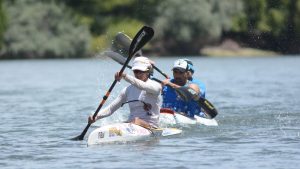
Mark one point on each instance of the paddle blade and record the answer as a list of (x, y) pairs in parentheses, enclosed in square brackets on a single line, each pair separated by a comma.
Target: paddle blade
[(121, 44), (142, 37), (81, 136), (123, 40), (77, 138), (170, 132), (115, 56), (209, 109)]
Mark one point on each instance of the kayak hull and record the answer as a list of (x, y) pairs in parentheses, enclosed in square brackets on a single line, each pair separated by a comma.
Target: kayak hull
[(127, 132), (121, 132), (167, 119)]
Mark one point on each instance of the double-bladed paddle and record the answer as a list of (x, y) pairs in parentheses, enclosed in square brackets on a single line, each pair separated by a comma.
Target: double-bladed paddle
[(140, 39)]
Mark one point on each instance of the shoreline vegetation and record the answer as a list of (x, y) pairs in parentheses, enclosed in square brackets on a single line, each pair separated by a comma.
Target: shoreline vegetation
[(82, 29)]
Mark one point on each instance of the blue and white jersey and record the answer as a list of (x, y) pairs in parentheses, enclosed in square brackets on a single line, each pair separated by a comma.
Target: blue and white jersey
[(174, 102)]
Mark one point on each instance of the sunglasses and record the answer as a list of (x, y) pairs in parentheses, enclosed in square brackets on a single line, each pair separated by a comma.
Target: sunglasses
[(178, 71), (139, 72)]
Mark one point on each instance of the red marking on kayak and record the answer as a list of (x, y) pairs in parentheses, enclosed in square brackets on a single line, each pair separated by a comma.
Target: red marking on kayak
[(166, 110)]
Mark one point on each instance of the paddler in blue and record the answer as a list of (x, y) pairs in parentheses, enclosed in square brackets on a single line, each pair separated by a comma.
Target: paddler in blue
[(171, 100)]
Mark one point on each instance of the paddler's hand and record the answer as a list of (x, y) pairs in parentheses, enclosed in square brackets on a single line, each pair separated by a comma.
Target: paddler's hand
[(119, 76), (196, 90), (91, 120), (152, 62), (165, 82)]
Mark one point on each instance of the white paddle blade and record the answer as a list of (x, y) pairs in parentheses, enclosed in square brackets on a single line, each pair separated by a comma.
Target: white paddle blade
[(123, 40), (115, 56), (122, 43)]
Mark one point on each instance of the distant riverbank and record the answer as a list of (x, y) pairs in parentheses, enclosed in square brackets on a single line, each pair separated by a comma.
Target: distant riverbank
[(229, 48), (245, 52)]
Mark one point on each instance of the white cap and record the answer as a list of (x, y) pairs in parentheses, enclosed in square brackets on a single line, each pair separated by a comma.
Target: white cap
[(141, 63), (181, 65)]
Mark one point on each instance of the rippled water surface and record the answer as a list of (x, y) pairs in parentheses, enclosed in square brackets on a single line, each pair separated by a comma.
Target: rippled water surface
[(44, 103)]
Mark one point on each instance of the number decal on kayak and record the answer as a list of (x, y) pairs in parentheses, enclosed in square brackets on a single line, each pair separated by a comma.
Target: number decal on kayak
[(100, 135)]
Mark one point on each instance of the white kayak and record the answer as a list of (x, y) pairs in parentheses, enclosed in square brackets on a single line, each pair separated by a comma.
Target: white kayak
[(127, 132), (170, 118)]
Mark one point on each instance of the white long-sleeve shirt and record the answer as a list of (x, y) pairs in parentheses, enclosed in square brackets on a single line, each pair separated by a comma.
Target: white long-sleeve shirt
[(148, 92)]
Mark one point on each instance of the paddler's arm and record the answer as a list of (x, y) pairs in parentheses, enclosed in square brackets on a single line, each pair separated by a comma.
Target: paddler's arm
[(110, 109), (194, 86)]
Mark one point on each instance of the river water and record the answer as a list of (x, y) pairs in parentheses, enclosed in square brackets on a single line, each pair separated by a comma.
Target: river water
[(44, 103)]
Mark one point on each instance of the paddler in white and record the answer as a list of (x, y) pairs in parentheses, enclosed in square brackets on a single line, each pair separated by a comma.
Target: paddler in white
[(143, 96)]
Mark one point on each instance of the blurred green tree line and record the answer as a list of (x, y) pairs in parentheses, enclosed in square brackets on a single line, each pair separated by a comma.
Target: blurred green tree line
[(82, 28)]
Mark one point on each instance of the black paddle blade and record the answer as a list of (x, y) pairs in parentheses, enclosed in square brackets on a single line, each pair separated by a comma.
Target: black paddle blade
[(209, 109), (142, 37), (81, 136), (77, 138)]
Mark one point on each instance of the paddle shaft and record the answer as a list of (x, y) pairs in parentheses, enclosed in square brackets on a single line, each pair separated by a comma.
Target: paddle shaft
[(161, 72)]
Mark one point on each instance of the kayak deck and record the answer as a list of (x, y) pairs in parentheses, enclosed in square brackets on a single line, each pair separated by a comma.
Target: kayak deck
[(127, 132)]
